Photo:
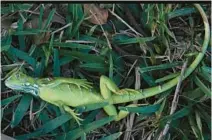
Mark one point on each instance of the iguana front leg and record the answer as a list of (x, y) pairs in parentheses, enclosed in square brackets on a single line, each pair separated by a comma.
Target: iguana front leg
[(61, 105), (73, 114), (58, 80)]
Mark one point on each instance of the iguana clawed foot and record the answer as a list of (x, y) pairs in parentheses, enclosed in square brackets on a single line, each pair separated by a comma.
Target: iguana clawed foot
[(73, 114), (83, 83), (77, 119)]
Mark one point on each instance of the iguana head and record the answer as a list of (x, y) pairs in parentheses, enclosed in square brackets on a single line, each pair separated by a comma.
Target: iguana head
[(21, 82)]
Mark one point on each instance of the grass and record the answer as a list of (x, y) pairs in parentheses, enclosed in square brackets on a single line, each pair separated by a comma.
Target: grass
[(155, 38)]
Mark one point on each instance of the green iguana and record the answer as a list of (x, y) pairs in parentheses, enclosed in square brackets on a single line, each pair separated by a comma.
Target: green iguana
[(65, 92)]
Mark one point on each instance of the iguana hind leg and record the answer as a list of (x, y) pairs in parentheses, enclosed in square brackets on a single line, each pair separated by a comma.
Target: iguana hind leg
[(111, 111), (107, 87), (122, 113)]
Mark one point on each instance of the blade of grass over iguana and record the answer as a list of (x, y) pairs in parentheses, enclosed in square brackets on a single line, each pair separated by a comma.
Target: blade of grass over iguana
[(142, 109), (86, 108)]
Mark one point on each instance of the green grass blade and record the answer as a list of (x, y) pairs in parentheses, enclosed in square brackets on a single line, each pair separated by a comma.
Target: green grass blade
[(21, 40), (205, 76), (21, 110), (142, 110), (72, 45), (112, 136), (56, 65), (43, 116), (181, 12), (48, 50), (199, 123), (39, 68), (65, 60), (11, 8), (90, 117), (89, 107), (206, 69), (141, 40), (29, 32), (205, 116), (54, 123), (160, 110), (10, 99), (49, 19), (160, 67), (12, 66), (76, 28), (83, 137), (22, 55), (93, 39), (77, 17), (147, 76), (29, 136), (179, 114), (41, 17), (194, 94), (170, 33), (111, 66), (96, 124), (167, 77), (96, 67), (24, 6), (199, 83), (83, 56), (194, 127), (6, 43), (76, 133)]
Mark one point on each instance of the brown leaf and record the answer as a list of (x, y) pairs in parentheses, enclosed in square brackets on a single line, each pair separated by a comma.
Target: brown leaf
[(100, 14)]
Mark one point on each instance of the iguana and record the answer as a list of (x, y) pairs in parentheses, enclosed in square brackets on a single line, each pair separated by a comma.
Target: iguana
[(65, 92)]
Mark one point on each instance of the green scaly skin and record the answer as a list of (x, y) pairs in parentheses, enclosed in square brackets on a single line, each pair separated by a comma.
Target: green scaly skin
[(65, 92)]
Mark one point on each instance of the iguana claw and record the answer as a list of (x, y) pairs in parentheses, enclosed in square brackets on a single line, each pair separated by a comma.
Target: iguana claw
[(83, 83), (73, 114)]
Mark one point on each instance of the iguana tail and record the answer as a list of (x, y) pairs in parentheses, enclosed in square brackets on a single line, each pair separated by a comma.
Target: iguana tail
[(145, 93)]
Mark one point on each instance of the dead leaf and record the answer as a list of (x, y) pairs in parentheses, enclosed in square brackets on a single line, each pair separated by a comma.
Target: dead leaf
[(100, 13), (38, 38)]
